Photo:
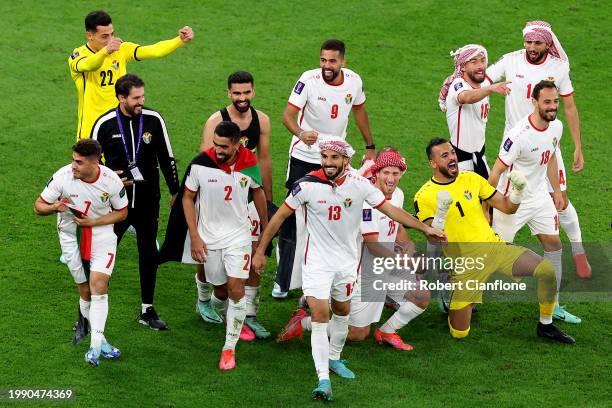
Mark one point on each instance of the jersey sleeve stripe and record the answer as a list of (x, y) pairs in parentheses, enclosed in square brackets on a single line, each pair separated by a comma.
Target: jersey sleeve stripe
[(193, 191), (504, 163), (43, 200), (566, 95), (288, 206), (427, 219), (296, 107), (491, 196), (381, 203), (361, 104), (369, 233), (163, 125), (489, 79), (136, 49), (122, 208), (96, 128)]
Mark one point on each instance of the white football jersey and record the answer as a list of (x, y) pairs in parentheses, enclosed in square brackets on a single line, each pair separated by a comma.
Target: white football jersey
[(222, 210), (323, 107), (467, 123), (525, 75), (333, 217), (93, 199), (375, 222), (528, 149)]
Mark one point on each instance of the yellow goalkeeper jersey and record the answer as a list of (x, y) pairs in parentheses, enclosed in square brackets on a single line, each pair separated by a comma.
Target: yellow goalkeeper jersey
[(95, 73), (465, 221)]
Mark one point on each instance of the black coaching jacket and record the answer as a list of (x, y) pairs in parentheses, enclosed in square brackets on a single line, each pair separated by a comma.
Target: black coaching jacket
[(154, 148)]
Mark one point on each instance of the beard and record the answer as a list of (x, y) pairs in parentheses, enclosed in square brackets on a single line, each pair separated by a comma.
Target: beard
[(243, 108), (472, 76), (335, 175), (448, 173), (334, 75), (133, 110), (537, 57), (548, 115)]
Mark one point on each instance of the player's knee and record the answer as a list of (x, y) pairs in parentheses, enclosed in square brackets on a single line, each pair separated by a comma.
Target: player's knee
[(545, 272), (420, 298), (358, 333), (235, 292), (220, 292), (456, 333)]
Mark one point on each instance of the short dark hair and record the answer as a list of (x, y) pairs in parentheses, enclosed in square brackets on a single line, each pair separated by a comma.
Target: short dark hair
[(544, 84), (126, 83), (333, 45), (97, 18), (88, 148), (228, 129), (436, 141), (240, 77)]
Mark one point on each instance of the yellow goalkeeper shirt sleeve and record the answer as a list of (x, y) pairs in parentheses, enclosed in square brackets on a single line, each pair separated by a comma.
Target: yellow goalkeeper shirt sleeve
[(158, 50)]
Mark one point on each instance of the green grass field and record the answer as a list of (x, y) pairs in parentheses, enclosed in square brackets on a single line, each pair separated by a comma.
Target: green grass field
[(400, 48)]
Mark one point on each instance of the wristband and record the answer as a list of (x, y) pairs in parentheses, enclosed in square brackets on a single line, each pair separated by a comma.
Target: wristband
[(371, 147)]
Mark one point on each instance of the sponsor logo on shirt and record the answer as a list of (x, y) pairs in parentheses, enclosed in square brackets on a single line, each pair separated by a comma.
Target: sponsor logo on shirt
[(322, 202), (115, 64), (535, 149), (321, 98), (520, 76), (295, 190), (467, 194), (74, 195), (146, 137), (299, 87), (458, 86), (212, 180), (104, 197), (116, 136), (367, 214), (348, 99), (347, 202), (74, 55), (243, 182), (507, 144)]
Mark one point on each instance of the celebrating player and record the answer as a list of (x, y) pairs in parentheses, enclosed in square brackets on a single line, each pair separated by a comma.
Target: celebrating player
[(255, 136), (376, 228), (220, 235), (466, 103), (324, 98), (452, 199), (97, 65), (333, 198), (96, 198), (544, 59), (531, 148)]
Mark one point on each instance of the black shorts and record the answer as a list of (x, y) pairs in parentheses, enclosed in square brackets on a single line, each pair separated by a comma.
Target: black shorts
[(298, 169)]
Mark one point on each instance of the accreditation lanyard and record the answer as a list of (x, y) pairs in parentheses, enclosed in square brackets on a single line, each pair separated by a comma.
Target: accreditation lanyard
[(127, 153)]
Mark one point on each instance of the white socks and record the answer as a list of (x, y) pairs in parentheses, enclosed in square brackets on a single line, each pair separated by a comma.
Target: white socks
[(203, 290), (219, 305), (555, 259), (568, 219), (84, 306), (338, 330), (401, 317), (307, 323), (236, 312), (144, 307), (98, 312), (252, 300), (320, 349)]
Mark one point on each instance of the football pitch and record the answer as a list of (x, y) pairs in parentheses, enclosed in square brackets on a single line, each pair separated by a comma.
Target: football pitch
[(401, 50)]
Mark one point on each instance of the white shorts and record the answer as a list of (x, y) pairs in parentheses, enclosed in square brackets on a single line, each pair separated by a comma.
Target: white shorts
[(540, 215), (562, 173), (325, 284), (368, 310), (103, 248), (233, 261), (255, 223)]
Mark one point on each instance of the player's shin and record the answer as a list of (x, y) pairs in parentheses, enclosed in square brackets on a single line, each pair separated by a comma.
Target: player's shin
[(219, 305), (555, 259), (568, 219), (401, 317), (338, 330), (98, 312), (320, 349), (84, 305), (236, 312), (203, 290), (252, 300), (546, 279)]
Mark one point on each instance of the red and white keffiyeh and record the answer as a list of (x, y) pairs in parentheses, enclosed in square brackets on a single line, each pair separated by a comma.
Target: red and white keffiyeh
[(388, 159), (542, 31), (337, 145), (461, 57)]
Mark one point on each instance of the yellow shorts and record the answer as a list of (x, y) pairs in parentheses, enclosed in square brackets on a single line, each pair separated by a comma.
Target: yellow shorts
[(488, 258)]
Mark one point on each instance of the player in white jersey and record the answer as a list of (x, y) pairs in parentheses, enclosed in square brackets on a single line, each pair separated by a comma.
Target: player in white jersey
[(96, 198), (544, 59), (466, 103), (530, 148), (333, 200), (380, 235), (321, 100), (218, 228)]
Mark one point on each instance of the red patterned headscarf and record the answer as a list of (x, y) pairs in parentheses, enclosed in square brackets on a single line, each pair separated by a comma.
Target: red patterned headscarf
[(542, 31), (461, 57), (388, 158), (337, 145)]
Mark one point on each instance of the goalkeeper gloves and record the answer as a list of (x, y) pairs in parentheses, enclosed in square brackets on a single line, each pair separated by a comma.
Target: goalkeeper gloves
[(518, 182)]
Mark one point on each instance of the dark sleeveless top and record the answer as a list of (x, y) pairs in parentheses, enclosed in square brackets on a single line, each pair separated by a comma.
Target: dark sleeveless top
[(250, 136)]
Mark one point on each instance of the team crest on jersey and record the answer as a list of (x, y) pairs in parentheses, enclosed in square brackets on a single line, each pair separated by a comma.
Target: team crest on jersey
[(122, 192), (115, 64), (74, 55), (299, 87), (458, 86), (507, 144), (551, 79), (104, 197), (244, 140), (554, 142), (146, 137), (348, 99), (347, 202), (367, 214), (467, 194), (243, 182)]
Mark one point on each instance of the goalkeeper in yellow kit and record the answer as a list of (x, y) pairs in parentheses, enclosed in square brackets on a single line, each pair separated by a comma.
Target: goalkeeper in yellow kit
[(97, 65), (452, 200)]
